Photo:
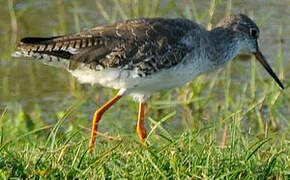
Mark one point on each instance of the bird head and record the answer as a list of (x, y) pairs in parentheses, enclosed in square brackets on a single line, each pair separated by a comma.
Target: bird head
[(246, 32)]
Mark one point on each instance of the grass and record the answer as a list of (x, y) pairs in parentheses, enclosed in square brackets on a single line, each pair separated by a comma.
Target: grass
[(216, 127), (48, 152)]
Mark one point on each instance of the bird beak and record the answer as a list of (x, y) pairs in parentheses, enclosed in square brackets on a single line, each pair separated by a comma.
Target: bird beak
[(262, 60)]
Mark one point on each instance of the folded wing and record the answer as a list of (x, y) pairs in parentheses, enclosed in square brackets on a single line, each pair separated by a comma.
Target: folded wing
[(147, 45)]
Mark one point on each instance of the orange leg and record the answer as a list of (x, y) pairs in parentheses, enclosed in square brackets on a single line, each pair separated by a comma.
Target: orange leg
[(141, 131), (97, 117)]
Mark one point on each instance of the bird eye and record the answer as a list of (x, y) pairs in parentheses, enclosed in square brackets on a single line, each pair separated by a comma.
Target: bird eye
[(254, 32)]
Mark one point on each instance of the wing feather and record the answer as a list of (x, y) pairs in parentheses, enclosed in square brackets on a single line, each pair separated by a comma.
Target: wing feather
[(141, 44)]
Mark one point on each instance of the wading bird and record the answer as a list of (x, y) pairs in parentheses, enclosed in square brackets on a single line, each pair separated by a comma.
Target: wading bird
[(142, 56)]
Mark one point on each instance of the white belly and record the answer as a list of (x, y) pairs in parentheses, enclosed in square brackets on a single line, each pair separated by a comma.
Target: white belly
[(125, 79)]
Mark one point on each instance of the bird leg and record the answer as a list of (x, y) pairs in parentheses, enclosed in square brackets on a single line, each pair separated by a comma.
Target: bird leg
[(97, 117), (141, 131)]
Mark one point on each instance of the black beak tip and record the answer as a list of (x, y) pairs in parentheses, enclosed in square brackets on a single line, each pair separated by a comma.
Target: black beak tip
[(282, 87)]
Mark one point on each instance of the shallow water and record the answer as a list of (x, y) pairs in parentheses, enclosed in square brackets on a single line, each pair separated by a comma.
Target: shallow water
[(30, 83)]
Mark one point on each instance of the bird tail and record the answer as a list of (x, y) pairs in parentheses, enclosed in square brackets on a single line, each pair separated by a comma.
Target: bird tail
[(55, 51)]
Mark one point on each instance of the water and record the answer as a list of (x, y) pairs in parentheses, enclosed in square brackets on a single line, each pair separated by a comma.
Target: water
[(29, 83)]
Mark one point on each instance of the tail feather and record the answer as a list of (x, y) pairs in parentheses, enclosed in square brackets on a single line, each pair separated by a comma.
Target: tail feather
[(38, 40), (59, 46), (89, 48), (55, 51)]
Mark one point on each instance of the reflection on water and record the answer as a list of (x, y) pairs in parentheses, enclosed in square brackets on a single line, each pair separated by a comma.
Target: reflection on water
[(29, 82)]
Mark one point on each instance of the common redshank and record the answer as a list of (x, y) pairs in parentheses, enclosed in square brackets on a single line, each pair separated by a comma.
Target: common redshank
[(142, 56)]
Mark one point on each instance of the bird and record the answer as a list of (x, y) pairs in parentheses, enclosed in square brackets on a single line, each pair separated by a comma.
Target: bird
[(141, 56)]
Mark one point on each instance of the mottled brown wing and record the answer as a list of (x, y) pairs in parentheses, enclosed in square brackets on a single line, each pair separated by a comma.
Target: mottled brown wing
[(132, 44)]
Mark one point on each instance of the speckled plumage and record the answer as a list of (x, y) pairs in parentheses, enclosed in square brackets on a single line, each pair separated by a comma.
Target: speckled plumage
[(146, 44), (145, 55)]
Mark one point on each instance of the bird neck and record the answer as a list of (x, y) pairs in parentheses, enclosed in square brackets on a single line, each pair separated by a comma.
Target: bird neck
[(225, 45)]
